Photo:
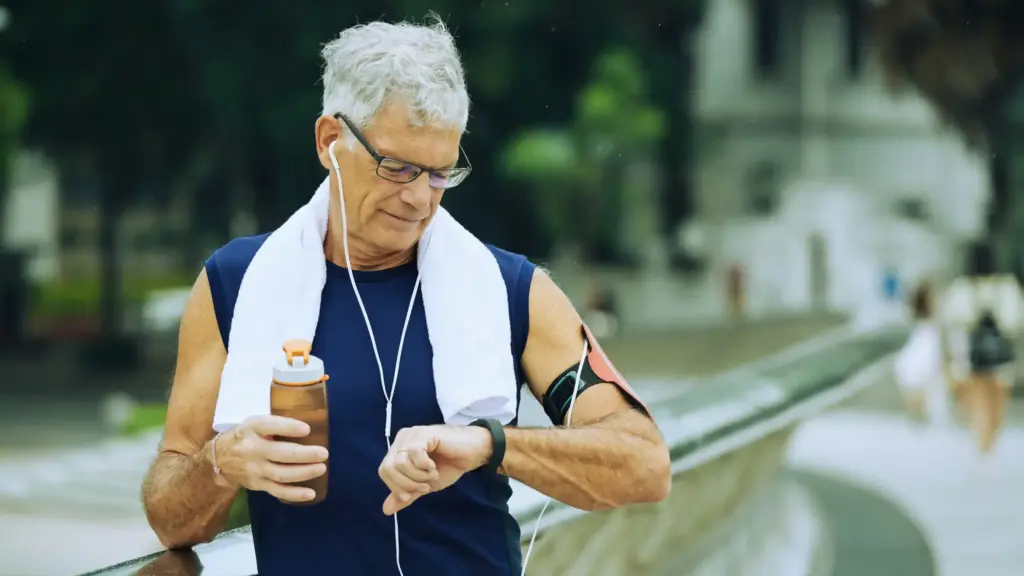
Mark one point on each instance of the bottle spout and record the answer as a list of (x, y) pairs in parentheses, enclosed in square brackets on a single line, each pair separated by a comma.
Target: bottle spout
[(297, 352)]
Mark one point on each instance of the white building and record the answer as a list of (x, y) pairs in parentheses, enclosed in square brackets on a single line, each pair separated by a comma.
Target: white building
[(811, 175), (31, 215), (60, 236)]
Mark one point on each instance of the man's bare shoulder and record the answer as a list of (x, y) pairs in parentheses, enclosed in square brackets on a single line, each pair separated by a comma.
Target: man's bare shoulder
[(237, 253), (552, 314)]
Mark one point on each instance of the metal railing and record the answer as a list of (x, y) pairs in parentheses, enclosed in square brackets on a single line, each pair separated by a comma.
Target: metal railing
[(727, 438)]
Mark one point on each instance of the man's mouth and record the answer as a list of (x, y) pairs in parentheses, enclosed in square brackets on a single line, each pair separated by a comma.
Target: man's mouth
[(402, 219)]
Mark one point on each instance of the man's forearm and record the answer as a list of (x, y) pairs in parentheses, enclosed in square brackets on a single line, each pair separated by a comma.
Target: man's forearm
[(184, 501), (599, 466)]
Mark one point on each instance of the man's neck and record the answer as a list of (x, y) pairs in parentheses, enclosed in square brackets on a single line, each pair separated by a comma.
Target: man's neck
[(364, 259)]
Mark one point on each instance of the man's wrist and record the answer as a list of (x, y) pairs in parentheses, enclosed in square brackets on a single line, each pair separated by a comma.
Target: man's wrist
[(486, 446), (212, 459)]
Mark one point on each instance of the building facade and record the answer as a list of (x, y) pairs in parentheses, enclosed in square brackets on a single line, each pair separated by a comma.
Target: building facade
[(803, 148)]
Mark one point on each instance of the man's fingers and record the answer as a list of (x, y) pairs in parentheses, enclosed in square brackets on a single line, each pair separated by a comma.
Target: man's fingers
[(415, 465), (292, 453), (397, 481), (286, 492), (291, 473), (278, 426), (421, 460), (402, 485)]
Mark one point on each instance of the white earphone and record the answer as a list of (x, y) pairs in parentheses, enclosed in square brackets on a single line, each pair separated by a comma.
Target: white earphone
[(390, 394), (568, 424)]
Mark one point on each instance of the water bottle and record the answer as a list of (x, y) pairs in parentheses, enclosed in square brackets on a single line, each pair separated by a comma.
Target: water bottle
[(299, 391)]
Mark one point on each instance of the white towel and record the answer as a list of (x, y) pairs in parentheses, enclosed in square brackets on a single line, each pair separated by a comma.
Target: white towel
[(464, 297)]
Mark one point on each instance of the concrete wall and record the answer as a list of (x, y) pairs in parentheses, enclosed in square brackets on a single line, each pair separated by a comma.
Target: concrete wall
[(725, 518)]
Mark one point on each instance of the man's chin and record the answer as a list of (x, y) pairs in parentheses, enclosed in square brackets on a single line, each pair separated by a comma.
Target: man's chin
[(393, 241), (397, 235)]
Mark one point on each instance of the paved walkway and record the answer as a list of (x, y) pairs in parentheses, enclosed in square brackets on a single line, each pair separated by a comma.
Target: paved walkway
[(865, 532), (970, 515)]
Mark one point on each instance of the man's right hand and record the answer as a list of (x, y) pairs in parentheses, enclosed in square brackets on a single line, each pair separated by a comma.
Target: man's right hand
[(249, 456)]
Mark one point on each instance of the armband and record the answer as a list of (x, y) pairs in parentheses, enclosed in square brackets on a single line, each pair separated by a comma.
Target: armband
[(597, 369)]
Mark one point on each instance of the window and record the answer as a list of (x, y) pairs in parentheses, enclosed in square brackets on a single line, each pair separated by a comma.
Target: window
[(912, 209), (767, 37), (763, 189)]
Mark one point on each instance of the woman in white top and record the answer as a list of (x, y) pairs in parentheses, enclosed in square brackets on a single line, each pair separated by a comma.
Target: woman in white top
[(920, 365), (982, 315)]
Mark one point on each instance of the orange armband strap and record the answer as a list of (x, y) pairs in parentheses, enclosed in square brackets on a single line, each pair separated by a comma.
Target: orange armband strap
[(606, 372)]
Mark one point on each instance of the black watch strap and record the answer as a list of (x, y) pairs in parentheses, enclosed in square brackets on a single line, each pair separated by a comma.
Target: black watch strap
[(498, 435)]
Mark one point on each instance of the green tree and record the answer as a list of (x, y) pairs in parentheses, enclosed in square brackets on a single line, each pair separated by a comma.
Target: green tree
[(966, 58), (222, 95), (111, 98), (14, 108), (576, 173)]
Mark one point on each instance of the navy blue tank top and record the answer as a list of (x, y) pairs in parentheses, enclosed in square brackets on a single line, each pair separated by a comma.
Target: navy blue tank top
[(466, 529)]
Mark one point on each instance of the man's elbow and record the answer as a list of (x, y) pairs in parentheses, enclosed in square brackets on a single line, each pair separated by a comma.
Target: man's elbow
[(655, 484), (178, 537), (650, 480), (181, 541)]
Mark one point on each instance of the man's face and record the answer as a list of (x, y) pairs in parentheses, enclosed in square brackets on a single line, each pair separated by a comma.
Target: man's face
[(386, 216)]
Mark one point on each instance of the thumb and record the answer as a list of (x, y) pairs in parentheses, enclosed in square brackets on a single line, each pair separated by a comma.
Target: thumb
[(392, 505)]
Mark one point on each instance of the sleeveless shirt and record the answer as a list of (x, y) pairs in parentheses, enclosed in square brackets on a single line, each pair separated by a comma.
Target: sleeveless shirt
[(465, 529)]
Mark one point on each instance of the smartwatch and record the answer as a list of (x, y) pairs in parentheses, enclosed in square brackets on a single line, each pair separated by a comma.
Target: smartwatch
[(498, 436)]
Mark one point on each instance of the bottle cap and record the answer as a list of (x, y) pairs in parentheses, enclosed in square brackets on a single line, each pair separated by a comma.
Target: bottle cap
[(298, 367)]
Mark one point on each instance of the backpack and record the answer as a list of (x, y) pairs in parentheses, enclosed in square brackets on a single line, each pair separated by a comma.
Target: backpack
[(989, 347)]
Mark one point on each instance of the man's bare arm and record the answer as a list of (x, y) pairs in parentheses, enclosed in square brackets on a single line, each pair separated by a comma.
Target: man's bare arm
[(186, 503), (613, 454)]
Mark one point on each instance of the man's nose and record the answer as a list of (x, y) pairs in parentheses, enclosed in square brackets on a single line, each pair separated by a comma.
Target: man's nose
[(418, 192)]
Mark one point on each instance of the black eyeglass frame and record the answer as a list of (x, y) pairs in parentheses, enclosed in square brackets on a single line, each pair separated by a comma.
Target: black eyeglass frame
[(451, 176)]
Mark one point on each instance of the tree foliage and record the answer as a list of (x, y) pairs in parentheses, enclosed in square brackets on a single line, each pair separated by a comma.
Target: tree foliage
[(139, 99), (108, 98), (14, 107), (965, 56), (14, 110), (574, 173)]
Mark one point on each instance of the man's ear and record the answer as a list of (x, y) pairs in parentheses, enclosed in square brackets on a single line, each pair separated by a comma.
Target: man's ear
[(326, 131)]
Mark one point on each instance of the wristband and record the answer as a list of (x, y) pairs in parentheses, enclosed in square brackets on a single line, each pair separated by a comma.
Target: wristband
[(213, 454), (498, 436)]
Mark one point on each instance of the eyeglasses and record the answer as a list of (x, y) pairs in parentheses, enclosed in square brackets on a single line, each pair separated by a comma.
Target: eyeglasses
[(402, 172)]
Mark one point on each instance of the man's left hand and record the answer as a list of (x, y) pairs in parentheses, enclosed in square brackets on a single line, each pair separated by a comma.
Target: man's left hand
[(426, 459)]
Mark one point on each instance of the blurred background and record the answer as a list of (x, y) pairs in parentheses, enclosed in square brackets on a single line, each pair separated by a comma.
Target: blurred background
[(710, 181)]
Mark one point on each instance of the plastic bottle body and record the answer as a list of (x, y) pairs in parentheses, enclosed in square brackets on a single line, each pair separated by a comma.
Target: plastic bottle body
[(299, 391)]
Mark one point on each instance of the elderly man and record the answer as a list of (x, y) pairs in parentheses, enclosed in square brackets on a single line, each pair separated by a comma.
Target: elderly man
[(395, 101)]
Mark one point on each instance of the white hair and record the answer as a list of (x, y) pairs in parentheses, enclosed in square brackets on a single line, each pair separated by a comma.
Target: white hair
[(371, 65)]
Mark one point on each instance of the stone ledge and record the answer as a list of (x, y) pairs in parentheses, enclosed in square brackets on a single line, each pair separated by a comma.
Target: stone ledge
[(687, 529)]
